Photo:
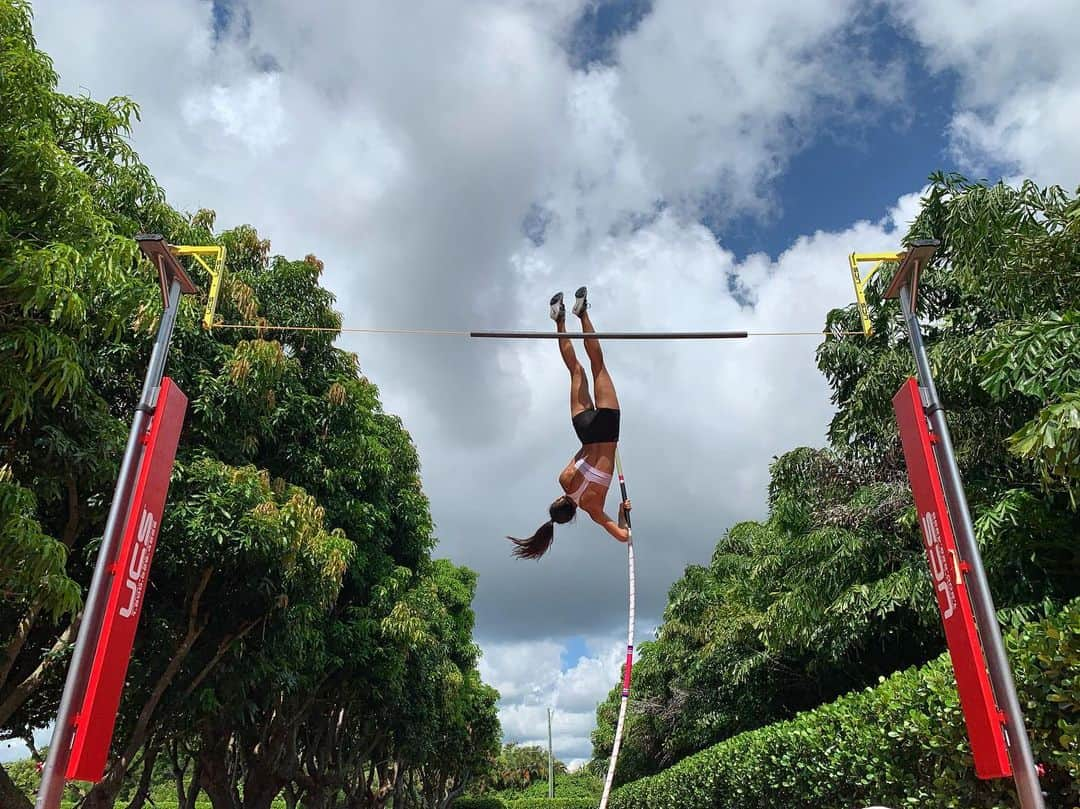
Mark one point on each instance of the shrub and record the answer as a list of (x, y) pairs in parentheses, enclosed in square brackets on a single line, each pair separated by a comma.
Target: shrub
[(578, 784), (902, 743)]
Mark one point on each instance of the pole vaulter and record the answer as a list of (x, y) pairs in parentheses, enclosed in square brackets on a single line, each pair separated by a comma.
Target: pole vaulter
[(587, 477)]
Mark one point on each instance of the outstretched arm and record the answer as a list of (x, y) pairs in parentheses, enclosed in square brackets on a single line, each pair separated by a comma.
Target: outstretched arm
[(616, 529)]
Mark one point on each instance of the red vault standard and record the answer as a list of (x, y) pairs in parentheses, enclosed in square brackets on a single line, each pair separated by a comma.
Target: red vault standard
[(97, 716), (981, 714)]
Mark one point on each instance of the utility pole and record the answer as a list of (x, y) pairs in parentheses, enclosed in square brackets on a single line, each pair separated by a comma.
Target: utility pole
[(551, 761)]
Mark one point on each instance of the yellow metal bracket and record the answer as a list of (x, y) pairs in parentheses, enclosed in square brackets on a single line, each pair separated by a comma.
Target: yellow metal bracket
[(855, 259), (216, 254)]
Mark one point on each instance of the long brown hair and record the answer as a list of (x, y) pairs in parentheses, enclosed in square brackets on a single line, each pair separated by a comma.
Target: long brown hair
[(561, 511)]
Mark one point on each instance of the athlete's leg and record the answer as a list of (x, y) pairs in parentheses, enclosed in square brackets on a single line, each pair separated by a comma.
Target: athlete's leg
[(579, 382), (603, 387)]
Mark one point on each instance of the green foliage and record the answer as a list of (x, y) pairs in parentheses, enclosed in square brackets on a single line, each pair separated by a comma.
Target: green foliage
[(24, 775), (68, 176), (576, 785), (32, 564), (519, 766), (1039, 359), (901, 743)]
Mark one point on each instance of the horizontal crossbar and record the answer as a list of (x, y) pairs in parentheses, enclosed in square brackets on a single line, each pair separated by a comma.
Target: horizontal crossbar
[(613, 335)]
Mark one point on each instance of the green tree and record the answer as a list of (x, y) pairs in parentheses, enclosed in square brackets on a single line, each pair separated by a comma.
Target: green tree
[(517, 766)]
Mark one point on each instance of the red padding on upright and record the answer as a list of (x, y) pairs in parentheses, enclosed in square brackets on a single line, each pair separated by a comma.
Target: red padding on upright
[(981, 713), (626, 671), (97, 716)]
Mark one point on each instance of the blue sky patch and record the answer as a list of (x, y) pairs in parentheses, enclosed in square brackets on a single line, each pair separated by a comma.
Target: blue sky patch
[(847, 175), (856, 166), (574, 649), (852, 168), (535, 224), (224, 15), (597, 31)]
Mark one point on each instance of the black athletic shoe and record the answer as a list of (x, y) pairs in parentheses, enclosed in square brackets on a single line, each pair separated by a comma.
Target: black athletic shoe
[(558, 308), (580, 302)]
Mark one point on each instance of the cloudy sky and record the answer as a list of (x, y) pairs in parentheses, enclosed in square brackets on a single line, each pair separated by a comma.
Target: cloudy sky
[(698, 163)]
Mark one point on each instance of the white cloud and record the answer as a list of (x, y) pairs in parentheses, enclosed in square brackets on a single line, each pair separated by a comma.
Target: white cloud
[(1019, 74), (718, 98), (522, 671), (530, 680), (252, 112), (587, 682)]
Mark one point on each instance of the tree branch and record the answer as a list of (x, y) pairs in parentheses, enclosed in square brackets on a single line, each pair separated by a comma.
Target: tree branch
[(18, 695)]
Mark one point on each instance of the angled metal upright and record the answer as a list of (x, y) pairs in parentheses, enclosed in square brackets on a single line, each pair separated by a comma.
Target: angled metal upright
[(968, 569), (175, 283)]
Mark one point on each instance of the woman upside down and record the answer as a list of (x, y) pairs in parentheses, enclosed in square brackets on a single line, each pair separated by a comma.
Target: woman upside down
[(586, 479)]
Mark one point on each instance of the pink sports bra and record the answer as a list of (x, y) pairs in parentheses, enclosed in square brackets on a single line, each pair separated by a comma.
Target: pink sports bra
[(592, 475)]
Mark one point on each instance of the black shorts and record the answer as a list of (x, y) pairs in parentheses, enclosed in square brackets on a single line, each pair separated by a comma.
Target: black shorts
[(597, 425)]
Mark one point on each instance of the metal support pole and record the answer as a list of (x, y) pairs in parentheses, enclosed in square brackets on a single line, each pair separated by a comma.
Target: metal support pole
[(997, 662), (53, 775), (551, 761)]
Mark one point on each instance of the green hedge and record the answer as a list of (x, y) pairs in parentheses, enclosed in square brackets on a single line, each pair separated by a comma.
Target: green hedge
[(525, 803), (580, 784), (900, 744)]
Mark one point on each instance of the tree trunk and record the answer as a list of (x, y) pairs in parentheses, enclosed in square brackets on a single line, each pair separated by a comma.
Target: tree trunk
[(260, 789), (18, 695), (18, 640), (214, 780), (398, 795), (10, 795), (103, 794), (138, 800), (179, 773), (454, 793), (193, 788)]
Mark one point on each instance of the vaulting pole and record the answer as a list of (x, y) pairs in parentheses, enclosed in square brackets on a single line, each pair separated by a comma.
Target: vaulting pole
[(629, 645), (551, 761)]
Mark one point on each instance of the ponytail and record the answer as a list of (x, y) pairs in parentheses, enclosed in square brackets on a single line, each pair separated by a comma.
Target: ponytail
[(535, 546)]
